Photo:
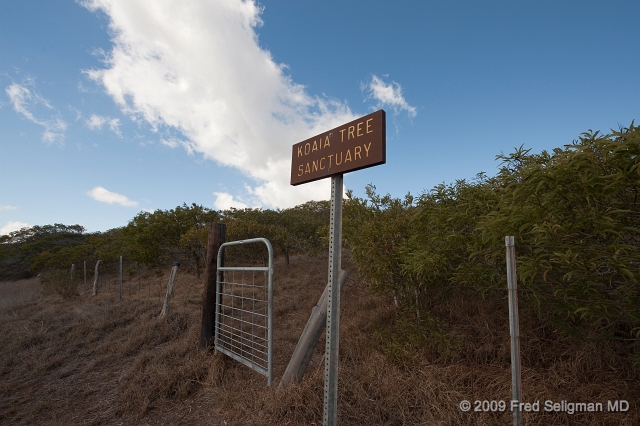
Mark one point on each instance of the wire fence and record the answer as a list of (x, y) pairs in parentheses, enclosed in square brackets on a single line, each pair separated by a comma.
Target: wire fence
[(129, 279)]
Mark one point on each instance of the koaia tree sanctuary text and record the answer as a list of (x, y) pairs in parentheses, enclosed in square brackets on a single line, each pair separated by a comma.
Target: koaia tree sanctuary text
[(353, 146)]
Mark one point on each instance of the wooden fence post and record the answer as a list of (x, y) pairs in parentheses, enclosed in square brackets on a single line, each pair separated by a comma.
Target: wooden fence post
[(217, 235), (96, 277), (167, 298), (309, 337)]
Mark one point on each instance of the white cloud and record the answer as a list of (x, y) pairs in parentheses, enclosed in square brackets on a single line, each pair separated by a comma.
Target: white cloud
[(189, 146), (225, 201), (5, 208), (104, 196), (12, 226), (171, 143), (95, 122), (389, 95), (197, 67), (24, 100)]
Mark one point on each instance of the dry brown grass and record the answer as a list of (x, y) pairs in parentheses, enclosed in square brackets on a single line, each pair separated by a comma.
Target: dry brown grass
[(95, 360)]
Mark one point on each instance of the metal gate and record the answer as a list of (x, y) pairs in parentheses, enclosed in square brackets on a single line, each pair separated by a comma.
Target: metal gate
[(244, 311)]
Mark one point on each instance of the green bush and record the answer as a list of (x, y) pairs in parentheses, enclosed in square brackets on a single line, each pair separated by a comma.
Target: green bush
[(576, 220)]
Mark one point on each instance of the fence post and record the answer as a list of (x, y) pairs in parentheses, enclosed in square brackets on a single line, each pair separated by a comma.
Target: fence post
[(514, 330), (121, 278), (217, 235), (73, 272), (309, 338), (84, 268), (96, 277), (167, 298)]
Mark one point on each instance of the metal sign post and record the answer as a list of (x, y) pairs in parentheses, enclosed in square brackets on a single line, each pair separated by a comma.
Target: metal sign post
[(330, 416), (514, 329), (356, 145)]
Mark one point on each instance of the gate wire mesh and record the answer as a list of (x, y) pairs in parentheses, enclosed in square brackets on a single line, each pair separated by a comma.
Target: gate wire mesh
[(244, 312)]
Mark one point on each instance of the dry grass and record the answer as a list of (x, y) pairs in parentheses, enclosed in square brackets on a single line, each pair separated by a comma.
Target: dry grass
[(95, 360)]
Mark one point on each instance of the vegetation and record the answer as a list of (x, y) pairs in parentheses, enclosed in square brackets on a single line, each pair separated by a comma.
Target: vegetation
[(161, 237), (25, 252), (575, 215), (574, 212), (94, 359), (427, 305), (151, 240)]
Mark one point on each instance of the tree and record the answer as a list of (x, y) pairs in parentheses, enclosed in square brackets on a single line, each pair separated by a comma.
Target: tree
[(25, 252), (167, 235)]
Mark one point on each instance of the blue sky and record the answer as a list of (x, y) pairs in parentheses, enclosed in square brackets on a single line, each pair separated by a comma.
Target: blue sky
[(110, 107)]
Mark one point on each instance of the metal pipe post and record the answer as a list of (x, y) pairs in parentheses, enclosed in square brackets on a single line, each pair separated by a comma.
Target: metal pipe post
[(330, 416), (121, 278), (514, 330)]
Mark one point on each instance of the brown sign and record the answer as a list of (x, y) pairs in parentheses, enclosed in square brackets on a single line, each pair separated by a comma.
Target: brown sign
[(353, 146)]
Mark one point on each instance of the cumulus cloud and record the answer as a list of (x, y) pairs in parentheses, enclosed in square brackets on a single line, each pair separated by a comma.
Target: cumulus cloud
[(5, 208), (225, 201), (389, 95), (13, 226), (95, 122), (104, 196), (197, 67), (24, 99)]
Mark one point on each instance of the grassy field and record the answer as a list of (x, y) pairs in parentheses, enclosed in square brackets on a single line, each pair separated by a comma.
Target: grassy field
[(95, 360)]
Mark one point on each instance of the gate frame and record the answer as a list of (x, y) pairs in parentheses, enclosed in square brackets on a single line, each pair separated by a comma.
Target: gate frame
[(269, 269)]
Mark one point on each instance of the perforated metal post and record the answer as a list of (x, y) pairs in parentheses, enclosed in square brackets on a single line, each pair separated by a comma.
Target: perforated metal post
[(514, 329), (330, 416)]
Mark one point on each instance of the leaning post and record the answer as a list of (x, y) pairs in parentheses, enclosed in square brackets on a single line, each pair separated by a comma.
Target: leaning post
[(96, 277), (167, 298), (309, 338)]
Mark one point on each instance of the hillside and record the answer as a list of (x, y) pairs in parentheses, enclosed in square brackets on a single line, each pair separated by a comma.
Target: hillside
[(94, 360)]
